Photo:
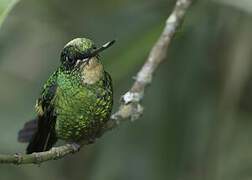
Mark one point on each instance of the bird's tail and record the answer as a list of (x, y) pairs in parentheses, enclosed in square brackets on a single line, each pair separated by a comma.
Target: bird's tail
[(25, 135), (39, 136)]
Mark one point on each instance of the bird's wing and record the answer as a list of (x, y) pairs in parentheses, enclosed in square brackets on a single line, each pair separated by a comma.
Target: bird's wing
[(43, 136)]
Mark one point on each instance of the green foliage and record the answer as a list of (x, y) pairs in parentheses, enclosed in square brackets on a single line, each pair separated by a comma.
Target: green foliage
[(5, 6)]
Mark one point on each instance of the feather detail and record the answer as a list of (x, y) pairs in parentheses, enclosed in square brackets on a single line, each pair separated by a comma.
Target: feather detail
[(30, 128), (45, 136)]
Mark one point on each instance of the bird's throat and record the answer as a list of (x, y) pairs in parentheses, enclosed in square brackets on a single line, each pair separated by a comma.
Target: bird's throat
[(92, 72)]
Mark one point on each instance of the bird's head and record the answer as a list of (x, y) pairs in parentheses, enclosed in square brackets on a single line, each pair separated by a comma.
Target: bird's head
[(80, 52), (83, 55)]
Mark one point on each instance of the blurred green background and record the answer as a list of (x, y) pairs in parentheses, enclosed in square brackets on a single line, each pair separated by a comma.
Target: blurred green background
[(197, 119)]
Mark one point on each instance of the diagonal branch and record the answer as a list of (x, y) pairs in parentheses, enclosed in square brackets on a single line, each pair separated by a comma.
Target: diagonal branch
[(130, 107)]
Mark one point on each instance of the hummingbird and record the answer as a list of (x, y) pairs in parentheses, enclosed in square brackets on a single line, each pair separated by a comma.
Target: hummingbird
[(76, 101)]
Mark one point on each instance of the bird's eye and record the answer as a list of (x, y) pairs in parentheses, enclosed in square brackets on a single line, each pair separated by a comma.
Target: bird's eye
[(70, 59)]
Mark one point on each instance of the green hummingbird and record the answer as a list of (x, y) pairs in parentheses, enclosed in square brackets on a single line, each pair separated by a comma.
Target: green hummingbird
[(75, 102)]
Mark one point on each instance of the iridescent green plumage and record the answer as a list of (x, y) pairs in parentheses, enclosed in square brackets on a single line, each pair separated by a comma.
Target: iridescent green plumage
[(75, 102), (81, 109)]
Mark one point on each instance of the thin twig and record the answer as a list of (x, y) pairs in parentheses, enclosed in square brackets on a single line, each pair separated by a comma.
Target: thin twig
[(7, 11), (130, 107)]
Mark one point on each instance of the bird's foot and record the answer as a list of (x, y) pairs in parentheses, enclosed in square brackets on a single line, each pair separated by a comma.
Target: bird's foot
[(75, 147)]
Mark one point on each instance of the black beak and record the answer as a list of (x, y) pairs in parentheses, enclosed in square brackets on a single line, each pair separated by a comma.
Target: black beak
[(93, 52), (104, 46)]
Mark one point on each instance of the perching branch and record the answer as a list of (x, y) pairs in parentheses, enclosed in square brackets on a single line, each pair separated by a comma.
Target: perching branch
[(130, 107)]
